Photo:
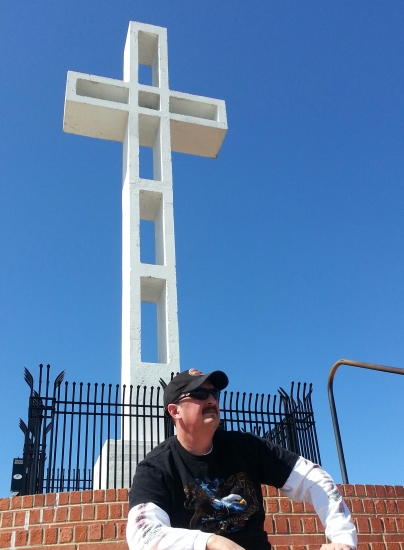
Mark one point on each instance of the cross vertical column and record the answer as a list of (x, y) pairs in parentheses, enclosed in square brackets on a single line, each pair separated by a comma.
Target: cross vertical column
[(154, 116), (151, 200)]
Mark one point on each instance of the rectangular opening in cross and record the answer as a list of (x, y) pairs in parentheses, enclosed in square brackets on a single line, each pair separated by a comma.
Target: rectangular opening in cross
[(151, 213), (149, 342), (145, 75), (153, 291), (189, 107), (148, 44), (99, 90), (149, 137), (145, 163), (148, 59), (148, 129), (147, 242), (149, 100)]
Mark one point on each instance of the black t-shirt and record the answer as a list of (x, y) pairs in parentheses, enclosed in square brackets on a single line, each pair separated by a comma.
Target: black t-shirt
[(216, 493)]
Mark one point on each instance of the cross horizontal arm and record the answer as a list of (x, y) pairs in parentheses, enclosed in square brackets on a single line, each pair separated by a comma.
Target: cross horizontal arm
[(198, 124), (99, 107), (96, 106)]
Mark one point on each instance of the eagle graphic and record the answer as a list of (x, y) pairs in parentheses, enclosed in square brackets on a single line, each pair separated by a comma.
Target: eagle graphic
[(221, 506)]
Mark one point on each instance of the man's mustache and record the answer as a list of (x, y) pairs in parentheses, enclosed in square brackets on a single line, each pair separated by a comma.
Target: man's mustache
[(210, 408)]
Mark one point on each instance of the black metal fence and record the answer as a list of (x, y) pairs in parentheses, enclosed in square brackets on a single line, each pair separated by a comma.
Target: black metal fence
[(80, 436)]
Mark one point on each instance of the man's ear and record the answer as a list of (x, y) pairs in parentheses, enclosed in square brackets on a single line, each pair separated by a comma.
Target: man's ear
[(173, 410)]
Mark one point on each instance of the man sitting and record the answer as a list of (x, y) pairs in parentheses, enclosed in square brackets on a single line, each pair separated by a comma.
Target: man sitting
[(201, 489)]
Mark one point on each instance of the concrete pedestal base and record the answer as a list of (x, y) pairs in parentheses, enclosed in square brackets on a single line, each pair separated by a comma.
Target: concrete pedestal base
[(117, 463)]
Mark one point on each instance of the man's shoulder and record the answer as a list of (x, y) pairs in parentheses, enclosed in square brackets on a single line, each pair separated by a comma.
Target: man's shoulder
[(154, 476), (160, 452)]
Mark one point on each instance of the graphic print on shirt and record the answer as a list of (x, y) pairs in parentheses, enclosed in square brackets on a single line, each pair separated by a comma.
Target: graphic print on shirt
[(221, 506)]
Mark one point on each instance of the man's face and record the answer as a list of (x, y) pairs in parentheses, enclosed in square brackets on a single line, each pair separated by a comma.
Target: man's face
[(194, 414)]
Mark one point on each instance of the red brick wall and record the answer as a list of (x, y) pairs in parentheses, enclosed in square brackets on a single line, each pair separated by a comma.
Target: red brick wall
[(96, 520), (378, 512)]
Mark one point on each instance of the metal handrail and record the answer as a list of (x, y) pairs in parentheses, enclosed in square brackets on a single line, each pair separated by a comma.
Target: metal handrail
[(349, 363)]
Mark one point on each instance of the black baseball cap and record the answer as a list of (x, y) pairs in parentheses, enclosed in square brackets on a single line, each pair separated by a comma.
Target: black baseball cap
[(191, 380)]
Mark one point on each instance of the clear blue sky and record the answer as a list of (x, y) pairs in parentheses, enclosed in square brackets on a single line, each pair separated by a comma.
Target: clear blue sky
[(289, 245)]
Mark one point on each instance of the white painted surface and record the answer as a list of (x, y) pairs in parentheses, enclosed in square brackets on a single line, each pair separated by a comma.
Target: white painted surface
[(153, 116), (123, 475)]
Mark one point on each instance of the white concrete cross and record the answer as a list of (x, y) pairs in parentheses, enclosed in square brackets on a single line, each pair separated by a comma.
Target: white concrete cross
[(156, 117)]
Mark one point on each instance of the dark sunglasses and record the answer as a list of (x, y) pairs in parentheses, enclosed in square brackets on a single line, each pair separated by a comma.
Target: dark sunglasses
[(201, 394)]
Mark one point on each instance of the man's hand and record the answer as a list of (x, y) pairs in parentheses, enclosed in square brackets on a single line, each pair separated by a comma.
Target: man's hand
[(336, 546), (216, 542)]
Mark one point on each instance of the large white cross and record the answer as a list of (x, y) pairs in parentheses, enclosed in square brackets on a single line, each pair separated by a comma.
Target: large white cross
[(156, 117)]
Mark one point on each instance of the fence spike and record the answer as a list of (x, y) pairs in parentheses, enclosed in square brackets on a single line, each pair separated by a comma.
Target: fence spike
[(29, 379), (58, 380), (23, 426)]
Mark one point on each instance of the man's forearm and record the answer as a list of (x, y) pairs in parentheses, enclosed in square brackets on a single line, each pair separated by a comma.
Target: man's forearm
[(309, 483), (149, 528)]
